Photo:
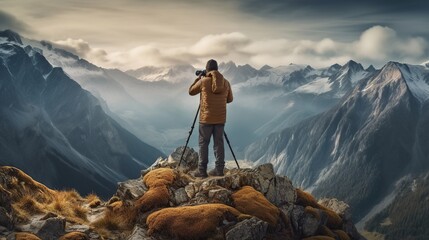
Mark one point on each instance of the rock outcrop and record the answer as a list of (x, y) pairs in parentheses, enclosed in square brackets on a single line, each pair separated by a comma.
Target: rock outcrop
[(166, 202)]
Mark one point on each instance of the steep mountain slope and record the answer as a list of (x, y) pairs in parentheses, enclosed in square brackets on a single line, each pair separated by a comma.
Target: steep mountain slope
[(406, 216), (57, 131), (134, 103), (374, 137)]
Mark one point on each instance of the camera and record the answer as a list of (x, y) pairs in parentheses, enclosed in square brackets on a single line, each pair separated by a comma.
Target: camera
[(201, 73)]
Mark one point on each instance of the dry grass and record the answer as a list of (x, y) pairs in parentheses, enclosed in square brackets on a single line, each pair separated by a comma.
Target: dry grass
[(25, 236), (28, 205), (74, 236), (249, 201), (113, 199), (20, 185), (117, 216), (69, 204), (93, 200), (30, 197), (191, 222)]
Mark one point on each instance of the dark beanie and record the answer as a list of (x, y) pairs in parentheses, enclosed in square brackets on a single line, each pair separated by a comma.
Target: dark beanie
[(211, 65)]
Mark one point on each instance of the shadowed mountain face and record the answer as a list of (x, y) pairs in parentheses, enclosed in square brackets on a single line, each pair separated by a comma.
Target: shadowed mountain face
[(58, 132), (375, 136)]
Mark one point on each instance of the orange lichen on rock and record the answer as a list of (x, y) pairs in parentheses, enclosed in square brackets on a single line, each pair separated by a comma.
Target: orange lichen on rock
[(121, 216), (159, 177), (313, 211), (25, 236), (334, 220), (342, 235), (191, 222), (249, 201), (154, 198), (306, 199), (325, 231), (158, 195), (74, 236)]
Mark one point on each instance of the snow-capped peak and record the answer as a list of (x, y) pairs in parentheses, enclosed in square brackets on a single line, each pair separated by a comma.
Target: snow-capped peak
[(174, 74), (417, 79), (11, 36)]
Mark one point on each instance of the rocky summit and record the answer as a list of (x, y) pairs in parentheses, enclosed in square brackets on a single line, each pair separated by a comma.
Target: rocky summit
[(166, 202)]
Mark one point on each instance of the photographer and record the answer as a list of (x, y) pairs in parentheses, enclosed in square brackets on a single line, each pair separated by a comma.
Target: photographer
[(215, 92)]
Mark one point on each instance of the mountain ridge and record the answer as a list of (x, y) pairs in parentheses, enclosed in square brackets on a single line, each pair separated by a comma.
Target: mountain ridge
[(48, 118), (369, 107)]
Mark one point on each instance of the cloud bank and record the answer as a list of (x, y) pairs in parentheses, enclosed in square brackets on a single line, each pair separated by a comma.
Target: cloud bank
[(8, 21), (375, 45)]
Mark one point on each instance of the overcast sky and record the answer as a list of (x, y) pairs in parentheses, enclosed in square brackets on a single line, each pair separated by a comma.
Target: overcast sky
[(132, 33)]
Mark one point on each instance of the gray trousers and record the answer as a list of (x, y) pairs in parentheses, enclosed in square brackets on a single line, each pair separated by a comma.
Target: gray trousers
[(206, 131)]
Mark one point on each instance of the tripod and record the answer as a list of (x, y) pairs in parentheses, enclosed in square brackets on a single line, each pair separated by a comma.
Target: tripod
[(189, 136)]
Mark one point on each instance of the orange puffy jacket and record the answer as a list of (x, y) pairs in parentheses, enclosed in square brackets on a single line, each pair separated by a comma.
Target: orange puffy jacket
[(215, 94)]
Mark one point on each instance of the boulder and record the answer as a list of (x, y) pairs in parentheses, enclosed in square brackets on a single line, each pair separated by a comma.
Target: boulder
[(139, 233), (249, 229), (339, 207), (180, 196), (190, 190), (295, 217), (220, 195), (131, 189), (78, 228), (310, 224), (52, 229), (189, 162), (281, 191)]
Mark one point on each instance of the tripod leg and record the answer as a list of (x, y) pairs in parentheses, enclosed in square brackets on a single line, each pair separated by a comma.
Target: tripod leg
[(189, 136), (230, 148)]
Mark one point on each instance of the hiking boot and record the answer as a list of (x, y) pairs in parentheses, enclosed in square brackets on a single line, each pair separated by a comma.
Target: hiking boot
[(200, 174), (216, 172)]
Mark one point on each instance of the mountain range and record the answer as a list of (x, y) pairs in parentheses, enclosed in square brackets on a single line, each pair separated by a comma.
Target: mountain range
[(57, 131), (367, 145)]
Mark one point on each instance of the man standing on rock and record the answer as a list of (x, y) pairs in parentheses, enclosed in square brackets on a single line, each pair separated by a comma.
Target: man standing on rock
[(215, 92)]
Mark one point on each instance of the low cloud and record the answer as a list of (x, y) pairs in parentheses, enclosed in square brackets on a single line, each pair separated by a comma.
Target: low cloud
[(8, 21), (83, 49), (376, 45), (379, 43)]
